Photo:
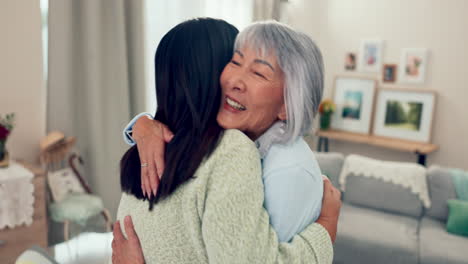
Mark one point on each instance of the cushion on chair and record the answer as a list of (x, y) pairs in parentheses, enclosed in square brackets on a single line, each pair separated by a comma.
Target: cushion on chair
[(380, 195), (441, 189), (370, 236), (77, 208), (437, 246), (330, 165)]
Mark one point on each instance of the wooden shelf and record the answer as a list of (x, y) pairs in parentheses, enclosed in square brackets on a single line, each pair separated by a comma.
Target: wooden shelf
[(390, 143)]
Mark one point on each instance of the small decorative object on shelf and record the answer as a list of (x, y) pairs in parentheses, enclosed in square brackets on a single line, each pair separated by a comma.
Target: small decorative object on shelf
[(389, 73), (326, 109), (350, 61), (6, 126)]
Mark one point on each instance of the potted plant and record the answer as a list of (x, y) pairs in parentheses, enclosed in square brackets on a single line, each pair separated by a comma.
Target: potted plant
[(326, 109), (6, 126)]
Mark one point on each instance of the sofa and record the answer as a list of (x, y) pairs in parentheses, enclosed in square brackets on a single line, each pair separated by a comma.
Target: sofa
[(381, 222)]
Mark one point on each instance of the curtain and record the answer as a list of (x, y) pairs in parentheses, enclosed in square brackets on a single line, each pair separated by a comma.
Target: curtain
[(161, 16), (239, 12), (266, 10), (96, 82)]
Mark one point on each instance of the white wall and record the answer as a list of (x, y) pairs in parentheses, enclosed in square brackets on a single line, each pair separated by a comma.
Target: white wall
[(441, 26), (22, 88)]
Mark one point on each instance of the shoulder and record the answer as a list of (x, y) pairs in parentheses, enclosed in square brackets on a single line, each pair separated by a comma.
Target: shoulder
[(236, 137), (235, 164), (235, 152), (235, 143), (294, 157)]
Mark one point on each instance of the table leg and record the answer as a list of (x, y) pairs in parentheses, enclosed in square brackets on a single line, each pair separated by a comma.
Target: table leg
[(319, 145), (421, 159)]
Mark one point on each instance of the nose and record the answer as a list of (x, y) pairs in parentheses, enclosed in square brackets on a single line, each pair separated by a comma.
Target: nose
[(237, 82)]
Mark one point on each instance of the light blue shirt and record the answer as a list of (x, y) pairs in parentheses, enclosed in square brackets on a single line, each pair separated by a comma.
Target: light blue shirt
[(293, 187), (292, 179)]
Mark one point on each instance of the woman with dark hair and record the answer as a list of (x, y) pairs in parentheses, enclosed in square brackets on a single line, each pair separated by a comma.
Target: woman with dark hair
[(188, 63), (209, 204)]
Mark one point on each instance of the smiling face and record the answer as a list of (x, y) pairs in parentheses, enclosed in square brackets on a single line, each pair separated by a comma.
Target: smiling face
[(252, 96)]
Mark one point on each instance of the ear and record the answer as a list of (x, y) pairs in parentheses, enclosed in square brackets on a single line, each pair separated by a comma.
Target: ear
[(282, 113)]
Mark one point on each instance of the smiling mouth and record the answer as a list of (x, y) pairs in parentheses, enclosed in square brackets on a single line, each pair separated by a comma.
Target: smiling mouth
[(235, 104)]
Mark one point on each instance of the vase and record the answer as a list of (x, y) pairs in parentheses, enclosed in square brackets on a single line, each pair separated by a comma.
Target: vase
[(4, 156), (325, 121), (4, 159)]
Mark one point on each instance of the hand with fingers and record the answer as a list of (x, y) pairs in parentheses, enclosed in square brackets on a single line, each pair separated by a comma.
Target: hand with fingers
[(331, 205), (126, 250), (151, 137)]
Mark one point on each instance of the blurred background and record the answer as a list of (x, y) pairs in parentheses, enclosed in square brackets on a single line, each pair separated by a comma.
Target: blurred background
[(85, 67)]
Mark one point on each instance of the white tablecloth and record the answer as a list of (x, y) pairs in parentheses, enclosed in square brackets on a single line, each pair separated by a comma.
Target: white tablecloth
[(16, 196)]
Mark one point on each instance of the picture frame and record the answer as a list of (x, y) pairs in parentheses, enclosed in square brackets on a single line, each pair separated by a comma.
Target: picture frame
[(370, 55), (389, 73), (413, 65), (350, 61), (354, 100), (405, 114)]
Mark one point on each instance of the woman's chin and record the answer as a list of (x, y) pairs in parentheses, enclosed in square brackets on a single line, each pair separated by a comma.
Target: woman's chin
[(226, 122)]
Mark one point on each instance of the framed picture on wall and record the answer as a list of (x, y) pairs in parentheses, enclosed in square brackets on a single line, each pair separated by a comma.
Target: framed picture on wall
[(370, 55), (405, 114), (354, 99), (389, 73), (350, 61), (413, 64)]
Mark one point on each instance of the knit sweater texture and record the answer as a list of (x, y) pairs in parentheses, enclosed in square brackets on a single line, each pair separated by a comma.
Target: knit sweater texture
[(218, 216)]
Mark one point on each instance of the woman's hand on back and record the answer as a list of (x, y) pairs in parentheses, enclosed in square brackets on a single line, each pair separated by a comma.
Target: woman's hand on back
[(126, 250), (151, 137), (331, 206)]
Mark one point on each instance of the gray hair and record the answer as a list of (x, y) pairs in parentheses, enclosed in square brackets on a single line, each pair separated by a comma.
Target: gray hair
[(301, 63)]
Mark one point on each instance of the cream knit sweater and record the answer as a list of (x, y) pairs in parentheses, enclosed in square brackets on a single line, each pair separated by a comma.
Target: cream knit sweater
[(218, 216)]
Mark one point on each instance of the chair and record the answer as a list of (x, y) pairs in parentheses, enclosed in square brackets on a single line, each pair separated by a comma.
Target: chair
[(72, 200)]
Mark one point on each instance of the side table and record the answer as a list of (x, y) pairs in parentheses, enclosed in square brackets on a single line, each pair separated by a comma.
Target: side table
[(15, 240)]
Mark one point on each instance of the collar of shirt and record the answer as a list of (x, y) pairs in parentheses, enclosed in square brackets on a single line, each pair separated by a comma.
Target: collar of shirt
[(272, 136)]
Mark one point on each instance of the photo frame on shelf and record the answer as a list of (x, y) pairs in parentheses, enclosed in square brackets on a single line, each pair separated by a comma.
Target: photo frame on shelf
[(413, 64), (354, 99), (405, 114), (350, 61), (370, 55), (389, 73)]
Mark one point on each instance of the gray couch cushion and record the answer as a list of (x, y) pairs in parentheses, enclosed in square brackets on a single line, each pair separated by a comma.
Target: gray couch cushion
[(370, 236), (441, 189), (436, 246), (330, 165), (380, 195)]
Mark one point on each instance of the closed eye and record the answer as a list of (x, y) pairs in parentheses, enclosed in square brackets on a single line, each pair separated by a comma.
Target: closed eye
[(235, 62), (260, 75)]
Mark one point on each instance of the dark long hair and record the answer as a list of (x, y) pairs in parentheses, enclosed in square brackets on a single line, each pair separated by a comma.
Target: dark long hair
[(188, 63)]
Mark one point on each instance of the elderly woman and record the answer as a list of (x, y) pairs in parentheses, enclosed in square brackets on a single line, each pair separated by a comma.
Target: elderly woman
[(270, 91)]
